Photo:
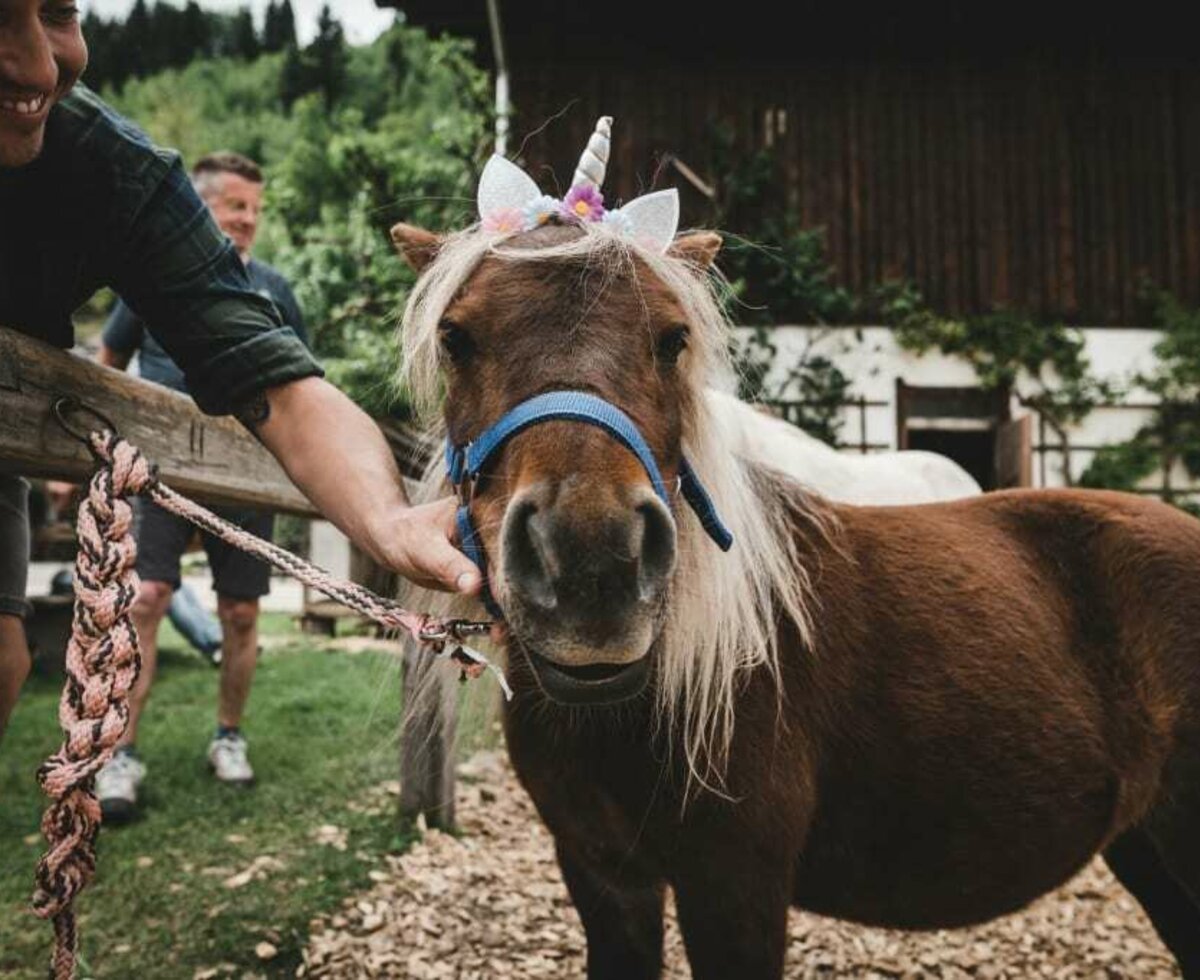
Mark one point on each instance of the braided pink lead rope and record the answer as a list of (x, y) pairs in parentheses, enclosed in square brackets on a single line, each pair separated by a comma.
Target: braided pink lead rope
[(103, 661)]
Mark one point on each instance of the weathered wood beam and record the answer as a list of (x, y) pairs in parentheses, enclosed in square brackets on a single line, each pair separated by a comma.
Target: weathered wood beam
[(214, 460)]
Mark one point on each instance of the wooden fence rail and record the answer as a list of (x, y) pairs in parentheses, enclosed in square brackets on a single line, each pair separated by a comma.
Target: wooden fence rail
[(212, 459)]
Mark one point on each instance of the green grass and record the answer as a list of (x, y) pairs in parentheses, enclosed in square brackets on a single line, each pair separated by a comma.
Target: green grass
[(321, 728)]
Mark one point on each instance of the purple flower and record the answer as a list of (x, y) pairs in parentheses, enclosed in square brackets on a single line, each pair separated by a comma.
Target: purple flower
[(583, 202)]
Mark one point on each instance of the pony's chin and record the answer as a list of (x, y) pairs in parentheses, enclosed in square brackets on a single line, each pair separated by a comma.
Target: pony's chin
[(594, 685)]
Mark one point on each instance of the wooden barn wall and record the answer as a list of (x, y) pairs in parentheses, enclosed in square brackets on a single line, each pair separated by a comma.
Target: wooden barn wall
[(1051, 188)]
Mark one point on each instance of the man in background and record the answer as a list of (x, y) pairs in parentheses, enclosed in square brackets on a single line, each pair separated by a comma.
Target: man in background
[(231, 185)]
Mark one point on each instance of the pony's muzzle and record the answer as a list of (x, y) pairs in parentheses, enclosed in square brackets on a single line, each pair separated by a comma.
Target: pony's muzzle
[(586, 560)]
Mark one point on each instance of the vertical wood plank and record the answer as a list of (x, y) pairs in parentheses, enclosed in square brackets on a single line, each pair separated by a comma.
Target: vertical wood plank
[(427, 732)]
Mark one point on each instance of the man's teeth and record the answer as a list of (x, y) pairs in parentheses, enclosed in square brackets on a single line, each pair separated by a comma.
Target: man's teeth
[(25, 107)]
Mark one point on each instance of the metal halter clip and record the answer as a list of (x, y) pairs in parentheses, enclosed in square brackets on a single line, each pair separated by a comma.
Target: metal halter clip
[(470, 662), (453, 629), (460, 628)]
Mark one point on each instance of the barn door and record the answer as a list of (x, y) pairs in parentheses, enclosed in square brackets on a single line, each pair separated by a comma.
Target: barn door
[(1014, 453)]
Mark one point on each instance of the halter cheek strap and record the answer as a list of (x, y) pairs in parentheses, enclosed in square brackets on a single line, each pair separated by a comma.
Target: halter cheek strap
[(464, 464)]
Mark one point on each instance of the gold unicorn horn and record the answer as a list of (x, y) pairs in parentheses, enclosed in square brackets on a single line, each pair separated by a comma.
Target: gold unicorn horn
[(594, 161)]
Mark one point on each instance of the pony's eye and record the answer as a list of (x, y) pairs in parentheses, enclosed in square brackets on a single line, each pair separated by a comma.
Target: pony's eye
[(455, 341), (671, 344)]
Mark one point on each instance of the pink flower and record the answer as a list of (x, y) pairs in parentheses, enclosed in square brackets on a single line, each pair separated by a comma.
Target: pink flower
[(583, 203), (504, 221)]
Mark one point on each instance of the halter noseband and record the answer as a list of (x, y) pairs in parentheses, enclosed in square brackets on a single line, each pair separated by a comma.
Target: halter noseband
[(464, 464)]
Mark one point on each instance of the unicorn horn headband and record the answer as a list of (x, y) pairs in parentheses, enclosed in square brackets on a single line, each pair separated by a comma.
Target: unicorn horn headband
[(510, 201), (594, 162)]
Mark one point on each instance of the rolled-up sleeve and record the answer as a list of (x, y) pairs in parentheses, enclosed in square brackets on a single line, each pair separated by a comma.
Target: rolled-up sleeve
[(182, 276)]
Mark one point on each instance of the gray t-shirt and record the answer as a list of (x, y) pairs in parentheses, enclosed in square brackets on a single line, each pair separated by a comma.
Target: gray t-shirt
[(125, 332)]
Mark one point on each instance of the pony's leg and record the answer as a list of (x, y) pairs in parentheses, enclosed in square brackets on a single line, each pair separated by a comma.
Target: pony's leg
[(733, 916), (1139, 866), (623, 922)]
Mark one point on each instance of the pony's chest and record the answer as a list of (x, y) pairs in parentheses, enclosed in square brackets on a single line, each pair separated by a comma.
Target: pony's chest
[(606, 808)]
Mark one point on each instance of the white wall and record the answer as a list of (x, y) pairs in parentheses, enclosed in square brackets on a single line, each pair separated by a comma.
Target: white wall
[(875, 362)]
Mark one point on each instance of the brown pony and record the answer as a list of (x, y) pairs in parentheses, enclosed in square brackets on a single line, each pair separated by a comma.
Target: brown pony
[(916, 717)]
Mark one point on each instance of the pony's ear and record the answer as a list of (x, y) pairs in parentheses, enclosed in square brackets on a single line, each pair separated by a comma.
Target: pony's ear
[(699, 248), (416, 246)]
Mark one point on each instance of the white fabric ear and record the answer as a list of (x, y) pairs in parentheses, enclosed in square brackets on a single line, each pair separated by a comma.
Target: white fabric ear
[(504, 185), (654, 218)]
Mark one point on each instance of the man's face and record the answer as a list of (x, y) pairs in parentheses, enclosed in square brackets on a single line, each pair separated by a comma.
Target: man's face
[(42, 55), (235, 202)]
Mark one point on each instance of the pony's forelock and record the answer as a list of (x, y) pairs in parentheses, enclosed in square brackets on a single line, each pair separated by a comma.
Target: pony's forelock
[(725, 606)]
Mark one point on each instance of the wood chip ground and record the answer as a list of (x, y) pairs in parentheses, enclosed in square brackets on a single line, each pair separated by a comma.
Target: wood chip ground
[(491, 904)]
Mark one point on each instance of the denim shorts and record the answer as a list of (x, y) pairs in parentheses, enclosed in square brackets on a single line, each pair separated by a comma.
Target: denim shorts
[(14, 545)]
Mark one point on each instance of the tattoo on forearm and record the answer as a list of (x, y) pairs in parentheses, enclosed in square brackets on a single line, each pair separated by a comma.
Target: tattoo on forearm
[(254, 412)]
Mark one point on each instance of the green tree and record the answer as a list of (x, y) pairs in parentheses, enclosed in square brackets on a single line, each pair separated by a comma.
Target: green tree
[(212, 104), (106, 65), (293, 77), (279, 27), (244, 41), (195, 35), (327, 58), (137, 40)]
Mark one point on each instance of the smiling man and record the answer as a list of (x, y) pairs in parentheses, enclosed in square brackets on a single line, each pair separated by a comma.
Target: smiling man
[(86, 201)]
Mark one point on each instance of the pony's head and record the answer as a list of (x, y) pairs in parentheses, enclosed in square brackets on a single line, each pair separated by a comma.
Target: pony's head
[(603, 583)]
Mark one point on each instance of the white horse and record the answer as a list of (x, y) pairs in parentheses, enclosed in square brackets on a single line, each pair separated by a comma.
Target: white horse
[(908, 477)]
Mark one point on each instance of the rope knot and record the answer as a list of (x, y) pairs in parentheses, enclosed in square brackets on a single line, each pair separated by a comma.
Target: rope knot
[(131, 471)]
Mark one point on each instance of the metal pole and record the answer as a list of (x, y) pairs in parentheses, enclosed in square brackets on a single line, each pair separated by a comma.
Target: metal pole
[(503, 107)]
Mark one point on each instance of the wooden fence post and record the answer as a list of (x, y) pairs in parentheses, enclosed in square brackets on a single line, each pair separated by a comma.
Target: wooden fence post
[(427, 741)]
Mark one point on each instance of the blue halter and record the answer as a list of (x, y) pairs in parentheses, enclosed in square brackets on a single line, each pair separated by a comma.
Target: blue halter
[(464, 464)]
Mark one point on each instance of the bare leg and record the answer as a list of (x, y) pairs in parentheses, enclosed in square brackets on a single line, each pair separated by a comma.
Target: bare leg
[(14, 664), (148, 611), (239, 656)]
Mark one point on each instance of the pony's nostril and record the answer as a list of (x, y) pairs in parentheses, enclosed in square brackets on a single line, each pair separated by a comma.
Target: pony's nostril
[(530, 562), (658, 549)]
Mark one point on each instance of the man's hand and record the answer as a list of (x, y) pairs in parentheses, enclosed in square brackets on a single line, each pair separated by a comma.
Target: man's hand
[(334, 453), (420, 548)]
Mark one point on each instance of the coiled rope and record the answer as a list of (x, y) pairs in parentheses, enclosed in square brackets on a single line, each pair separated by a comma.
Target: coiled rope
[(103, 660)]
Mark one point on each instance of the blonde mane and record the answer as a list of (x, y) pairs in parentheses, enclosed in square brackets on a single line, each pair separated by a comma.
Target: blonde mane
[(724, 607)]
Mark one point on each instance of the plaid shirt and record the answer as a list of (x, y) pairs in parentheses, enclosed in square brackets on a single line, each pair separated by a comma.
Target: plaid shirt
[(102, 206)]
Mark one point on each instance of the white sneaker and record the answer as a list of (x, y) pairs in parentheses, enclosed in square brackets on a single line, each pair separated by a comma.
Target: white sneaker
[(227, 757), (117, 785)]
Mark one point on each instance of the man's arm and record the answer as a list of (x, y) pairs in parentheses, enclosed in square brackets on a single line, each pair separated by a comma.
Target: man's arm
[(334, 453)]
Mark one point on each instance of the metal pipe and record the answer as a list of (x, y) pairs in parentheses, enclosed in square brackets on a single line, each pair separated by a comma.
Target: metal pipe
[(503, 107)]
